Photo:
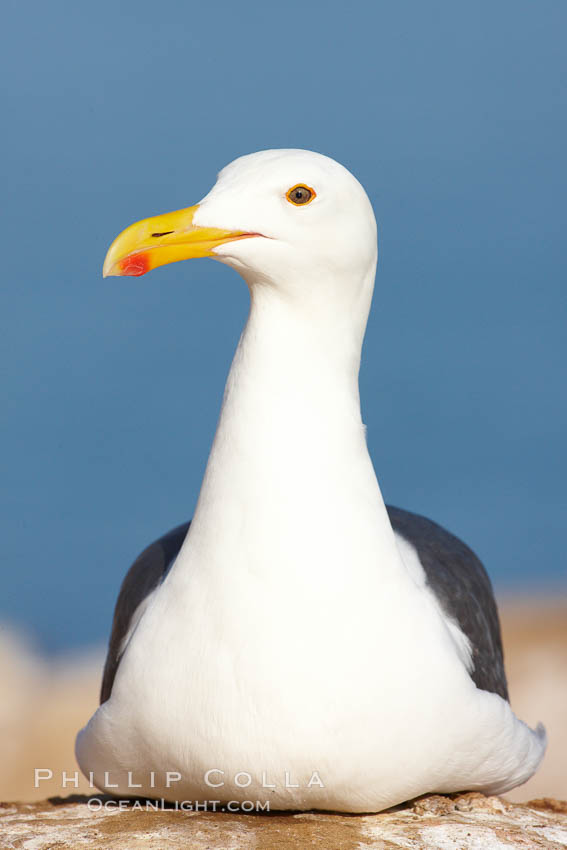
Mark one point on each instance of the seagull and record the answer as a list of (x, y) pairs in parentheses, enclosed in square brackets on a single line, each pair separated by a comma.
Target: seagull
[(298, 642)]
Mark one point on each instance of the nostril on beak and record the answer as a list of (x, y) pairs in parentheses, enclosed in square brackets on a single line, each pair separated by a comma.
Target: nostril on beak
[(165, 233)]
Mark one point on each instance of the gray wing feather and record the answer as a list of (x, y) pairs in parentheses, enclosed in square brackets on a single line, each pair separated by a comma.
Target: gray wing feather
[(454, 573), (463, 589), (147, 571)]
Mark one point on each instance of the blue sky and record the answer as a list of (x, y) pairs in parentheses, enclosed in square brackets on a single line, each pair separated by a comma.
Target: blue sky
[(453, 116)]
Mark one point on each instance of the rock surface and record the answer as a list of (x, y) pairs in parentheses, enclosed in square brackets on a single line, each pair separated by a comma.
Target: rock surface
[(463, 822)]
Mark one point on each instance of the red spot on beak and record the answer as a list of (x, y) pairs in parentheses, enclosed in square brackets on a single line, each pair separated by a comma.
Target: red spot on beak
[(135, 265)]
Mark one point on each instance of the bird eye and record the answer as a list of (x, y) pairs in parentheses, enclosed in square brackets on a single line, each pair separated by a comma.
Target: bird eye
[(300, 195)]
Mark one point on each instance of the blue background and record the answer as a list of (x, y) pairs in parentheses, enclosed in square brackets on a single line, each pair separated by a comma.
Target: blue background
[(453, 116)]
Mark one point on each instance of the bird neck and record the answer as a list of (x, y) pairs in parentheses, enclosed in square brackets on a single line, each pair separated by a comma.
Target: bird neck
[(292, 391), (289, 459)]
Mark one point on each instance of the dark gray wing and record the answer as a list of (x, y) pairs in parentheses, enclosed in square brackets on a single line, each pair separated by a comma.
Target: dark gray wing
[(454, 573), (463, 589), (147, 571)]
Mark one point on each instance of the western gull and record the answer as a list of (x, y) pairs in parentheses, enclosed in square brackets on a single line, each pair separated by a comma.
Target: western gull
[(298, 642)]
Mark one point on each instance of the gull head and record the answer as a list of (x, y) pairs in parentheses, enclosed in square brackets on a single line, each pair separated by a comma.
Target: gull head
[(293, 220)]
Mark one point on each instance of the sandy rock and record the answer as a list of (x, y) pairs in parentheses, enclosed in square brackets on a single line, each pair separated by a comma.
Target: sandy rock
[(460, 822)]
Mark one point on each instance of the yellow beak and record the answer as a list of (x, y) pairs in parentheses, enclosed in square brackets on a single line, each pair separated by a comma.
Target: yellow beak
[(164, 239)]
